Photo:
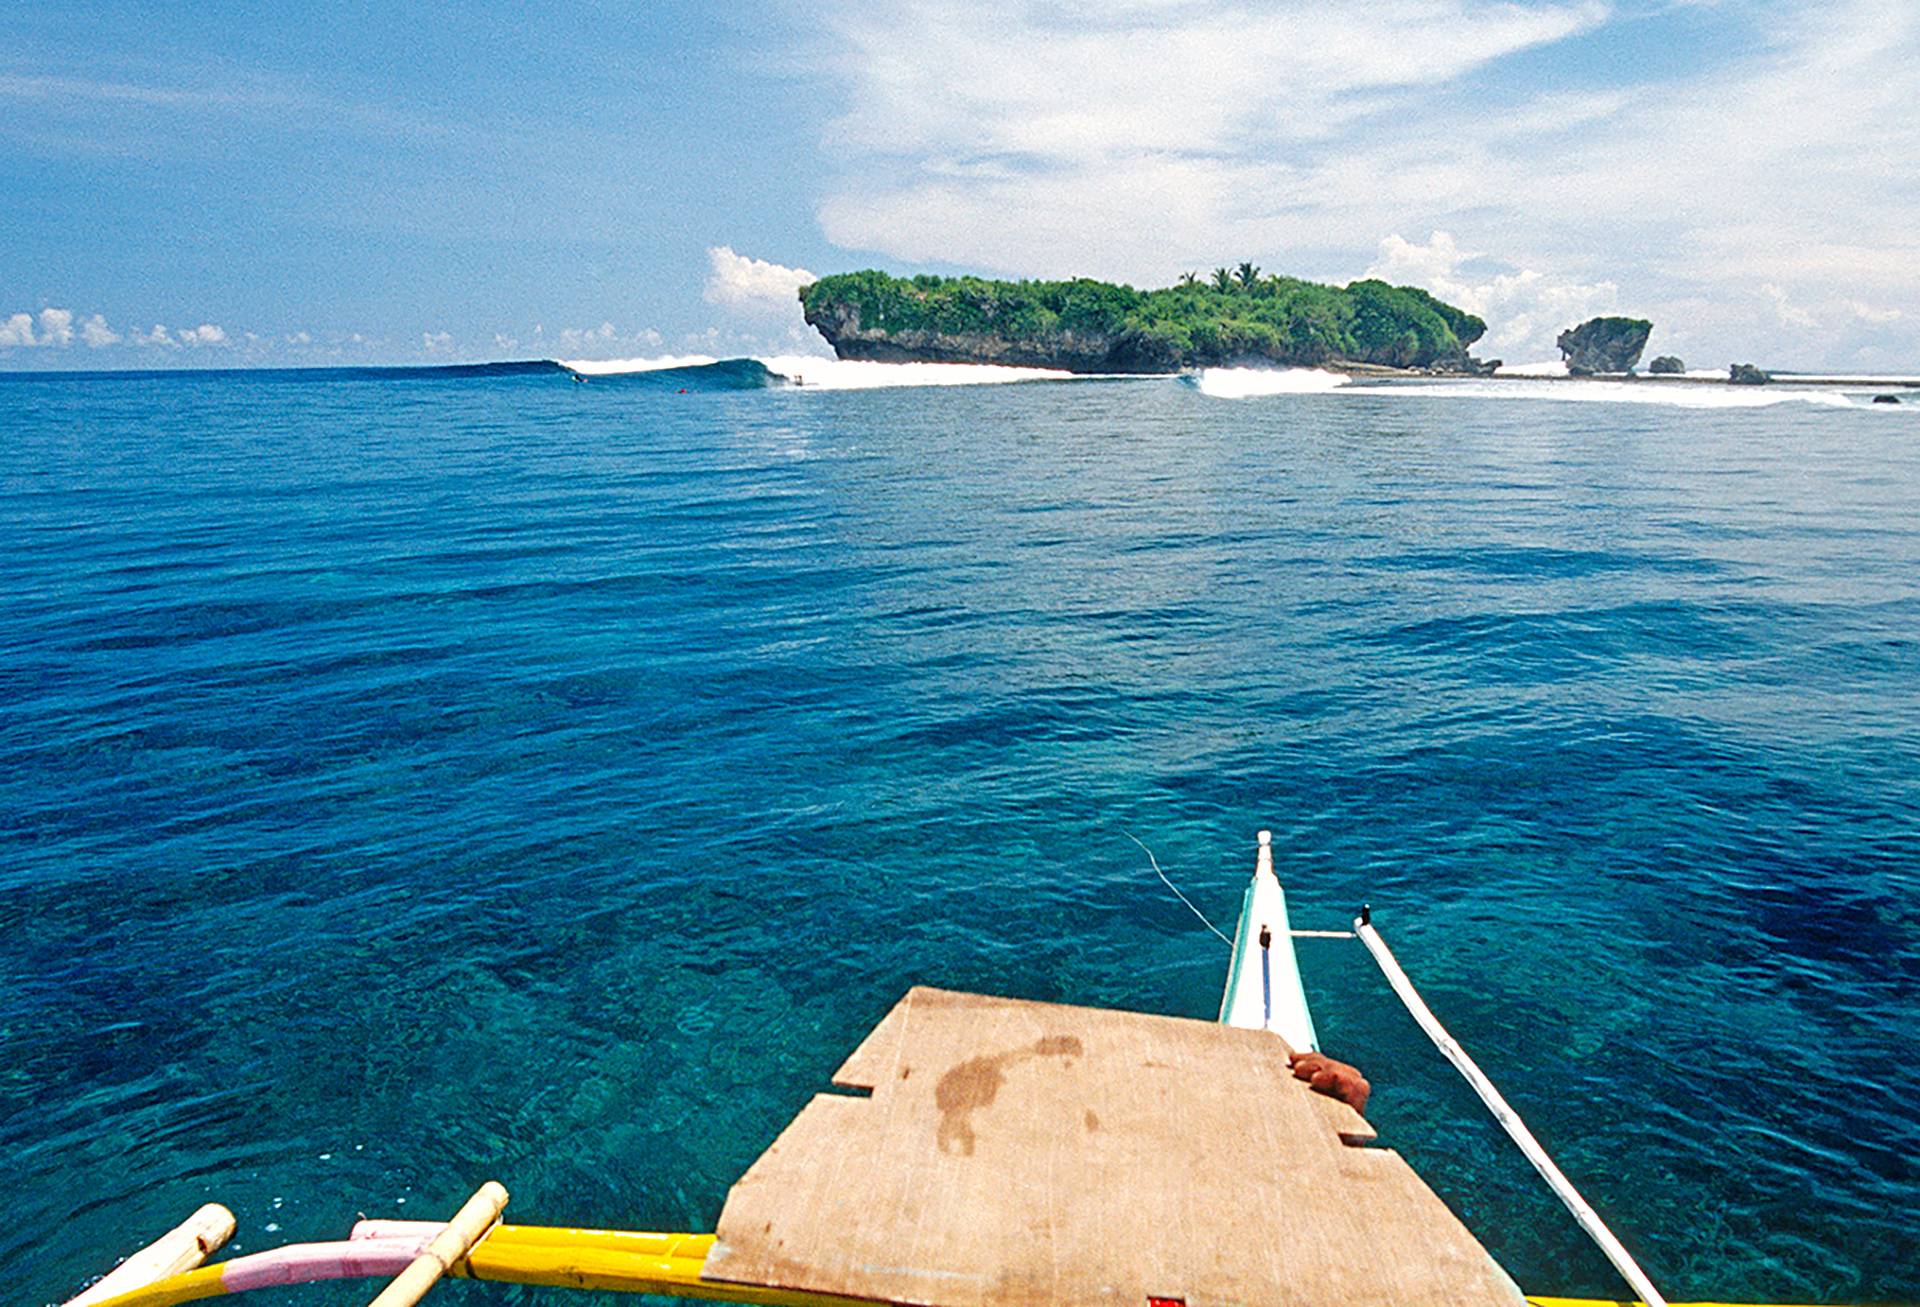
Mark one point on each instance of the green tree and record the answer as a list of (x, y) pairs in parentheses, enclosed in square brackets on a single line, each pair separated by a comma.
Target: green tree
[(1247, 275), (1222, 279)]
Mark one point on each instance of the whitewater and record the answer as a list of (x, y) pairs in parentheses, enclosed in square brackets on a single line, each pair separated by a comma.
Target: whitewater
[(1539, 383)]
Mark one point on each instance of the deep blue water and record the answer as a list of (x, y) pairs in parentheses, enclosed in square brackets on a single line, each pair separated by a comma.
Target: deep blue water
[(406, 782)]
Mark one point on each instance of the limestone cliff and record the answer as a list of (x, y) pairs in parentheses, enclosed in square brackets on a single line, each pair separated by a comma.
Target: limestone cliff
[(1604, 345)]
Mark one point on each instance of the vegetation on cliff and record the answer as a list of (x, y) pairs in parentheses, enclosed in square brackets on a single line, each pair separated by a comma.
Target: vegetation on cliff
[(1237, 316)]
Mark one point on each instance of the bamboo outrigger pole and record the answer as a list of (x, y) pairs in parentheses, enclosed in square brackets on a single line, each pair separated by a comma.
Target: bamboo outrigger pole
[(179, 1249), (1503, 1113), (468, 1226)]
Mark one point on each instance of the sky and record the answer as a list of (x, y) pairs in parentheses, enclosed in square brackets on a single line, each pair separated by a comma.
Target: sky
[(243, 185)]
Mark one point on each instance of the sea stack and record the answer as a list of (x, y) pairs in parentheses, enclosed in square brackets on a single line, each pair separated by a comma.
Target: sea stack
[(1604, 345), (1745, 374), (1667, 365)]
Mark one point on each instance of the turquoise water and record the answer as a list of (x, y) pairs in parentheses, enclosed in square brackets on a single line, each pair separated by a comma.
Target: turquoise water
[(412, 780)]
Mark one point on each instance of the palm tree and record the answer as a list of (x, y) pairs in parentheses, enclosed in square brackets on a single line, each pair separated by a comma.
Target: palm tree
[(1189, 279), (1248, 274), (1222, 279)]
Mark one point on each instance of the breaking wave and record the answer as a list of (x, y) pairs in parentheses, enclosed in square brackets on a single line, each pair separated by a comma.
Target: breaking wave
[(1244, 383), (698, 372), (807, 371), (1666, 394)]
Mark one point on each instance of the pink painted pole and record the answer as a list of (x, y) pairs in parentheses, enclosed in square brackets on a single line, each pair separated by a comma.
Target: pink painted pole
[(306, 1263)]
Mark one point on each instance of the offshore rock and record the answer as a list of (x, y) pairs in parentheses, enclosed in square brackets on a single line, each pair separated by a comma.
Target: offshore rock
[(1745, 374), (1667, 365), (1604, 345), (1886, 399)]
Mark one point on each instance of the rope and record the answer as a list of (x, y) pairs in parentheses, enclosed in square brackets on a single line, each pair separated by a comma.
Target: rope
[(1508, 1118), (1176, 890)]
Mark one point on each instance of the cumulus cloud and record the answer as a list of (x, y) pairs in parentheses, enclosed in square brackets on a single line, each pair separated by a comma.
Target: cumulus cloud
[(98, 334), (1524, 308), (436, 342), (204, 334), (53, 328), (738, 282), (603, 341), (158, 338), (1137, 138), (56, 327)]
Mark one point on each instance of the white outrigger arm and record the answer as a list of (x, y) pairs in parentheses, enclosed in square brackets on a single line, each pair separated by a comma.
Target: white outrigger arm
[(1264, 993), (1263, 984)]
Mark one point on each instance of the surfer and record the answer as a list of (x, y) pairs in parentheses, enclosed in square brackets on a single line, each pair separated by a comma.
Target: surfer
[(1332, 1078)]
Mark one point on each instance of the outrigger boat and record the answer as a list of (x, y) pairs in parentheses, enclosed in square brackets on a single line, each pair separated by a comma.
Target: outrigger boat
[(992, 1152)]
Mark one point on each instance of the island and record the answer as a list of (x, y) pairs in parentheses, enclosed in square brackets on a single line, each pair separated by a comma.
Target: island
[(1237, 317)]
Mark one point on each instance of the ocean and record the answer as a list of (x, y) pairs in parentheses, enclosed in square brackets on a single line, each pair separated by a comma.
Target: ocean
[(415, 777)]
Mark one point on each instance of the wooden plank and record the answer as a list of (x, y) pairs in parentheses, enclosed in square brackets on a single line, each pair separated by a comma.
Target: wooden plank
[(1019, 1153)]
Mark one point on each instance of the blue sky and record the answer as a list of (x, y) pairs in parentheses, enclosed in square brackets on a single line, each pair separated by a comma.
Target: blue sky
[(235, 185)]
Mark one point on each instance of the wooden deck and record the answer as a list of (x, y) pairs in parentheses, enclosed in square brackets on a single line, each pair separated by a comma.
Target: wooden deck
[(1026, 1153)]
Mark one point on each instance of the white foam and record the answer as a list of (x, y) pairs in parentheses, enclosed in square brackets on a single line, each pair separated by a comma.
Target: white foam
[(1245, 383), (613, 367), (1670, 395), (818, 373), (1851, 378), (1548, 368)]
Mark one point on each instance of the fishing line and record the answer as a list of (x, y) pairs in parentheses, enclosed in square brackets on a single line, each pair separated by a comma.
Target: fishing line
[(1176, 890)]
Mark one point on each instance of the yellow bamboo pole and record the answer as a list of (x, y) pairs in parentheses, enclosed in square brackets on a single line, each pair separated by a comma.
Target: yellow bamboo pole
[(468, 1226), (625, 1261), (179, 1249)]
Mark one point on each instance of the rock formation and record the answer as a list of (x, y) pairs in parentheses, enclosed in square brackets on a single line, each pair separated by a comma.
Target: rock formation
[(1667, 366), (1886, 399), (1604, 345), (1745, 374)]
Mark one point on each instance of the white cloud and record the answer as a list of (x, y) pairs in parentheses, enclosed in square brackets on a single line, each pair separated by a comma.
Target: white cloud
[(158, 338), (603, 341), (436, 342), (204, 334), (1789, 314), (737, 281), (98, 334), (1137, 139), (1094, 78), (1525, 309), (55, 330), (1870, 313), (56, 327)]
